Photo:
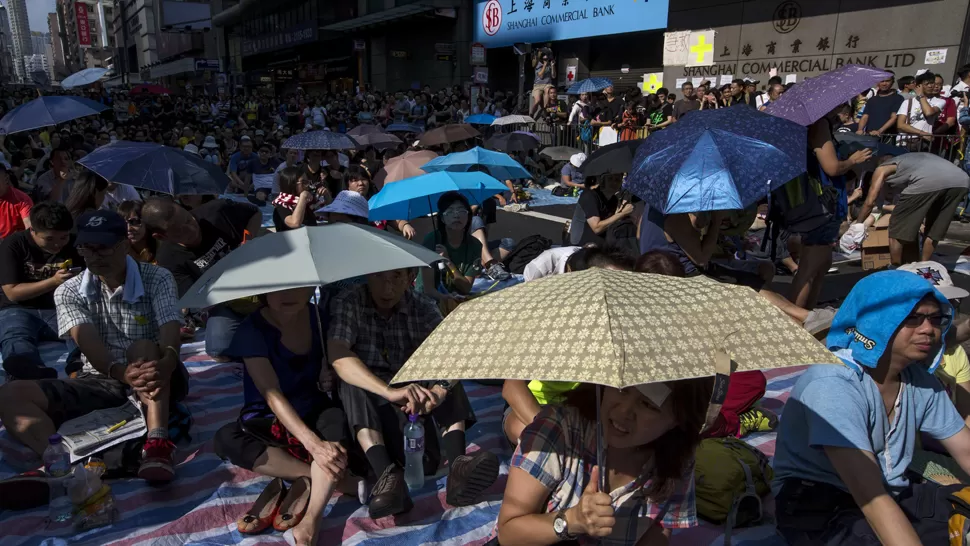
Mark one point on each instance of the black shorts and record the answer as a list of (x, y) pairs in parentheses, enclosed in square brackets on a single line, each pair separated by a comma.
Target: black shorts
[(935, 209), (74, 397)]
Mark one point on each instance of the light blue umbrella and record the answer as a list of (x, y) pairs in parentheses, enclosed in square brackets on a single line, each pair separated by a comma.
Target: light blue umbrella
[(320, 140), (84, 77), (418, 196), (497, 164), (401, 127), (480, 119), (46, 111), (589, 85), (154, 167)]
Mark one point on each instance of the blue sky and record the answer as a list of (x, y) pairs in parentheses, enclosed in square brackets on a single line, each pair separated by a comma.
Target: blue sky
[(37, 11)]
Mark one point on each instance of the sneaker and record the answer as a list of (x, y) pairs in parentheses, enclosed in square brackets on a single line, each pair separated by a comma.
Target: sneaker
[(469, 477), (24, 491), (757, 420), (389, 496), (156, 461), (498, 272), (820, 319)]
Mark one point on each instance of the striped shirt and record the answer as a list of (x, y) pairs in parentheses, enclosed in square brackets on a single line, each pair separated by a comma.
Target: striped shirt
[(135, 311), (559, 450)]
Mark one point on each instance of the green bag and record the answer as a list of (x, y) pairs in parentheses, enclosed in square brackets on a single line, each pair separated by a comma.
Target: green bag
[(730, 478)]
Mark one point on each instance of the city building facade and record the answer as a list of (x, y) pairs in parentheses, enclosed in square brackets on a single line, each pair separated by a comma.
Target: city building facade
[(86, 41), (7, 74), (58, 66), (19, 36)]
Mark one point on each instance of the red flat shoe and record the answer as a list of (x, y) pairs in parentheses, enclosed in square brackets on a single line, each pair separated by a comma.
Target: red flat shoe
[(294, 506), (263, 512)]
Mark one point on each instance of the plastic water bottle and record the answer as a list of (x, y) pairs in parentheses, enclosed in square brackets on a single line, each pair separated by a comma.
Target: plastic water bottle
[(57, 463), (414, 453)]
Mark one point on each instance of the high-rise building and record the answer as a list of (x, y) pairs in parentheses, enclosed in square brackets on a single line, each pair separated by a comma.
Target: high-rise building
[(58, 67), (41, 43), (86, 42), (7, 74), (19, 34)]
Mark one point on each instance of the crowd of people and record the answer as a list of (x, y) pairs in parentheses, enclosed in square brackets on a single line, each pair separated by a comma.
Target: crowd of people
[(101, 265)]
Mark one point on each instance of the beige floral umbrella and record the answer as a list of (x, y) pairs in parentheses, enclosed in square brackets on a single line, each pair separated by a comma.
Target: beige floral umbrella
[(612, 328)]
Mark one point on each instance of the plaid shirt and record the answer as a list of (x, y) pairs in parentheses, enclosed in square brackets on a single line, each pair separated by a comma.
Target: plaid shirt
[(124, 316), (559, 450), (382, 344)]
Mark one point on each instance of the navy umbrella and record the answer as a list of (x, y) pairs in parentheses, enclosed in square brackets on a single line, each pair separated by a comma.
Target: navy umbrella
[(46, 111), (320, 140), (158, 168), (724, 159)]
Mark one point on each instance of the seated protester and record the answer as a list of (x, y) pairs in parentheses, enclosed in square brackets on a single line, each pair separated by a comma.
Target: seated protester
[(526, 398), (595, 213), (651, 432), (142, 245), (493, 252), (33, 264), (56, 183), (281, 347), (124, 318), (954, 370), (191, 242), (571, 177), (292, 207), (240, 167), (15, 205), (87, 195), (550, 262), (263, 172), (452, 240), (850, 430), (374, 329)]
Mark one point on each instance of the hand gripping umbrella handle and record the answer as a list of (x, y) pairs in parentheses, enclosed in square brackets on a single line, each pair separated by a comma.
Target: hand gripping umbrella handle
[(722, 378)]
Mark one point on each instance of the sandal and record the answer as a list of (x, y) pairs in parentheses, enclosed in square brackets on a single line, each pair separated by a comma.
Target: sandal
[(262, 513), (294, 505)]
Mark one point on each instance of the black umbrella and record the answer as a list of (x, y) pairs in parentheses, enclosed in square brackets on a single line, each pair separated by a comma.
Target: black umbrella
[(559, 153), (512, 142), (613, 159)]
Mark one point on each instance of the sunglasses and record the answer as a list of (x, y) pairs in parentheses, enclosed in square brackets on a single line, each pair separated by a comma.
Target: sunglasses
[(937, 320)]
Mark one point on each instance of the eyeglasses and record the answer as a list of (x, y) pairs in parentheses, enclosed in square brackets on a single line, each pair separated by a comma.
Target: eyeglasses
[(937, 320), (134, 221), (456, 212), (103, 251)]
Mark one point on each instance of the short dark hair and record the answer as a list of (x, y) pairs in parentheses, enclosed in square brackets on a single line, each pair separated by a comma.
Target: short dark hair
[(663, 91), (963, 72), (50, 216), (659, 262), (905, 80), (687, 84), (740, 82), (775, 80), (925, 77), (609, 257)]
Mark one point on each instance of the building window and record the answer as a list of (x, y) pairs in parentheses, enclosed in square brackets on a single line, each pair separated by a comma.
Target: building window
[(90, 8)]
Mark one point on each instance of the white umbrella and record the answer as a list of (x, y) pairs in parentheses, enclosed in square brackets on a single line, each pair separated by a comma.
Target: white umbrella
[(513, 120), (84, 77), (309, 256)]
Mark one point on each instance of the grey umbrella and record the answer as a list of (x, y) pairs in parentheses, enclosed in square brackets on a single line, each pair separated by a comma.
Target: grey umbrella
[(310, 256)]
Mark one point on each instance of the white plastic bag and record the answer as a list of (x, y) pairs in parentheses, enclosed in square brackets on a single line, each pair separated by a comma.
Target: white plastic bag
[(852, 240)]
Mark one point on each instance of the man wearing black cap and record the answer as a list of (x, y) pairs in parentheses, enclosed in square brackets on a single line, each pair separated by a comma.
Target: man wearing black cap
[(124, 318)]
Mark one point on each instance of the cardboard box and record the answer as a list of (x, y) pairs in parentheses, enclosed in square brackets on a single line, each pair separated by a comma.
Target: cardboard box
[(875, 247)]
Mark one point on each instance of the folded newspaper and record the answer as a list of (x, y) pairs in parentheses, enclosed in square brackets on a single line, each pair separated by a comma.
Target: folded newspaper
[(90, 434)]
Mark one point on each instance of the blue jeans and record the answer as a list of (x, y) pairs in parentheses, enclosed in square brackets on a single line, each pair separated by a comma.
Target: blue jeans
[(220, 328), (21, 331)]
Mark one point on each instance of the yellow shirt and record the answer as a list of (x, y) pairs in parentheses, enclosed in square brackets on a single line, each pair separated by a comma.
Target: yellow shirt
[(550, 392), (954, 369)]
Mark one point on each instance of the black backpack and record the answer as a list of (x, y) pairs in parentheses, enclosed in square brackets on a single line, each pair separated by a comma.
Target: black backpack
[(526, 251)]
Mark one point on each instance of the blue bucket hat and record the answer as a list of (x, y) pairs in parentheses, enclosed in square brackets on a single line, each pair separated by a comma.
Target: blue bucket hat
[(873, 311)]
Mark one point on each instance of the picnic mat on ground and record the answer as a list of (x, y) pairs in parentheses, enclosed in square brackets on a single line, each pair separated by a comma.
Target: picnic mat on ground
[(266, 209), (545, 198), (202, 504)]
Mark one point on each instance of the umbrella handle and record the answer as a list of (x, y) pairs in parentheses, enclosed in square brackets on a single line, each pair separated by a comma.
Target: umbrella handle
[(600, 441)]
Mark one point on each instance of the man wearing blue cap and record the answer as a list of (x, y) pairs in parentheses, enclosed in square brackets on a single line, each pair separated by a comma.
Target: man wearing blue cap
[(123, 316), (849, 432)]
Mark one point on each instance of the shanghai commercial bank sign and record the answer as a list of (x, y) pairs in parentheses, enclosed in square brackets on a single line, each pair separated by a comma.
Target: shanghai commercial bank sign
[(505, 22)]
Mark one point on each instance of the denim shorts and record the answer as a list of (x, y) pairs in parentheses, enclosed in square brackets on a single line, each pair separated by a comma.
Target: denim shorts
[(824, 235)]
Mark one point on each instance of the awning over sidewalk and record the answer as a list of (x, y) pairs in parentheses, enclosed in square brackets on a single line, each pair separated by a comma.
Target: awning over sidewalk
[(389, 15)]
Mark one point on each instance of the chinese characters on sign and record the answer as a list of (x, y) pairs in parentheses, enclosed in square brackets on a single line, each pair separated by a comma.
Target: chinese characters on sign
[(83, 30), (293, 36)]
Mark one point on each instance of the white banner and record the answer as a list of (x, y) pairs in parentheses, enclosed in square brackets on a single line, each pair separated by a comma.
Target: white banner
[(676, 46)]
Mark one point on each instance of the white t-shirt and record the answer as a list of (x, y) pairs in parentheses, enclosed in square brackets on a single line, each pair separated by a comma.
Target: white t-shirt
[(914, 112), (550, 262), (319, 116)]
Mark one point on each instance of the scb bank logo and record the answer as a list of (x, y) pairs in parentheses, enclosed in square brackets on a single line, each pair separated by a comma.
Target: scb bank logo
[(492, 17)]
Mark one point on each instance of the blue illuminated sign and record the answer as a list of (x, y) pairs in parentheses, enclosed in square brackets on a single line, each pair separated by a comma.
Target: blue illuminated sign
[(505, 22)]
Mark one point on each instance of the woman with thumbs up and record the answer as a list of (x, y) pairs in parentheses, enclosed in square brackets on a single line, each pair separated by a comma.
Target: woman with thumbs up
[(553, 493)]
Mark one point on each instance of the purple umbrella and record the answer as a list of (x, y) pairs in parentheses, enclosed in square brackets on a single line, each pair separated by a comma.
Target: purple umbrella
[(812, 99), (533, 135)]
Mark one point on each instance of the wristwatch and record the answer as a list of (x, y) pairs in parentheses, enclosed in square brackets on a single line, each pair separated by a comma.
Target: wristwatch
[(560, 527), (447, 385)]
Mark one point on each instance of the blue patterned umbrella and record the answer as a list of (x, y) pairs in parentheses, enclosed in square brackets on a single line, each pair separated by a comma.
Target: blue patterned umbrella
[(724, 159), (154, 167), (811, 100), (480, 119), (589, 85), (84, 77), (497, 164), (46, 111), (320, 140)]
